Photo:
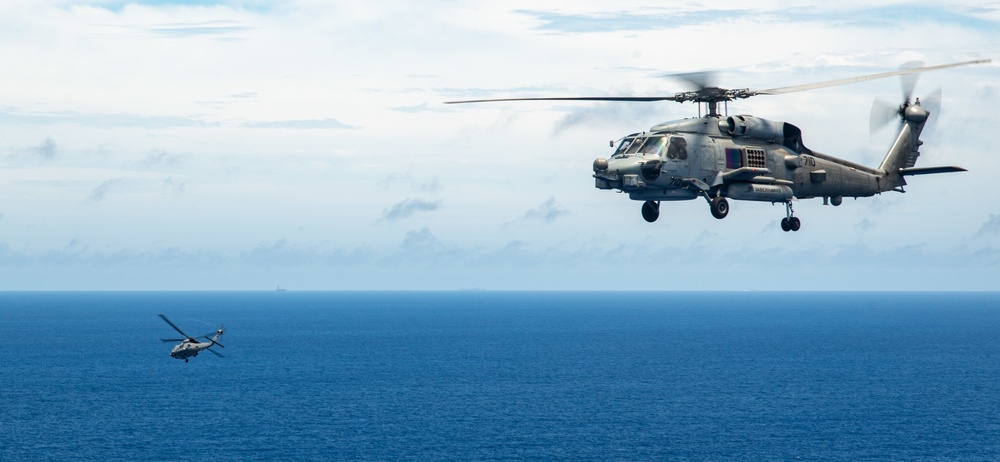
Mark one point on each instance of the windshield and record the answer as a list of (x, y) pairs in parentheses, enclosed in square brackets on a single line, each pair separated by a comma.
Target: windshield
[(634, 148), (624, 146), (653, 145)]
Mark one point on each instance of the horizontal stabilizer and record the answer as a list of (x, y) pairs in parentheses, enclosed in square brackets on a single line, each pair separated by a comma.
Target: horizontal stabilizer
[(929, 170)]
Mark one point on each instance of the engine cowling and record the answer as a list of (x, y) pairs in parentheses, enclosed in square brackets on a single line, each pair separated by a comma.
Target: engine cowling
[(754, 127)]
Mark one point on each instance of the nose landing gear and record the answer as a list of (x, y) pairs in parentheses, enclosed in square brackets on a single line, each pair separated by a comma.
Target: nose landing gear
[(790, 222)]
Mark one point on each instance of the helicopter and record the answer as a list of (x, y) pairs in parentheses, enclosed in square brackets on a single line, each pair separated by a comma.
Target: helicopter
[(742, 157), (190, 346)]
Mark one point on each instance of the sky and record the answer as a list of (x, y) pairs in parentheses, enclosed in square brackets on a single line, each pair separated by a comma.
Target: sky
[(242, 145)]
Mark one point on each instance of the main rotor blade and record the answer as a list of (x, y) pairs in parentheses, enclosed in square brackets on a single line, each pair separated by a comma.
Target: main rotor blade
[(833, 83), (171, 340), (700, 80), (213, 341), (216, 353), (573, 98), (178, 329)]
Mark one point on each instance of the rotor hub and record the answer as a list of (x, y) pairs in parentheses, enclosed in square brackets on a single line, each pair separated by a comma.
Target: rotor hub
[(915, 113)]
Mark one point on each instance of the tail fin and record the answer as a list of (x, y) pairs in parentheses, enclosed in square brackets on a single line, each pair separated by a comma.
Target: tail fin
[(218, 335), (903, 154)]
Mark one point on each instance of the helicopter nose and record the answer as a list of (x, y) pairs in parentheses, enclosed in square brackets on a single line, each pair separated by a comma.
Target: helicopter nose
[(629, 170), (626, 167)]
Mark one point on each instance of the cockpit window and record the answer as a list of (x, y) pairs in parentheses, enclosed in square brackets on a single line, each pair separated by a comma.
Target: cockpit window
[(653, 145), (634, 148), (678, 149), (623, 146)]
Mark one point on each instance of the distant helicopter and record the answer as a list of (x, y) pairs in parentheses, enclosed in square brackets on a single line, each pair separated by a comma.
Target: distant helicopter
[(742, 157), (190, 346)]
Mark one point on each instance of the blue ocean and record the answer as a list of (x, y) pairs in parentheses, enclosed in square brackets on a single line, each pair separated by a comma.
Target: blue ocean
[(502, 376)]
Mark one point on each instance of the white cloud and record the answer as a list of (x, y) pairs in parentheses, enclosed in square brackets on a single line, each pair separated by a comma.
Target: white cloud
[(174, 186), (422, 261), (13, 116), (98, 193), (47, 149), (548, 211), (312, 124), (157, 159), (409, 207), (991, 227), (223, 129)]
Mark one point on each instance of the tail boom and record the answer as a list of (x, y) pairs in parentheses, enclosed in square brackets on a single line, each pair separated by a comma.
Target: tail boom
[(902, 156)]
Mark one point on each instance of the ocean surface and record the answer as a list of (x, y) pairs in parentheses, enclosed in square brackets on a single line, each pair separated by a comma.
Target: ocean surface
[(502, 376)]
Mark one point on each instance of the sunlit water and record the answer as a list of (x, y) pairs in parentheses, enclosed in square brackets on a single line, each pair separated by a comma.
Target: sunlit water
[(501, 376)]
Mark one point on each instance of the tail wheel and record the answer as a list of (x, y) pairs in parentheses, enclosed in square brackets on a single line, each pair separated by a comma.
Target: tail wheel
[(720, 207), (650, 211), (785, 226)]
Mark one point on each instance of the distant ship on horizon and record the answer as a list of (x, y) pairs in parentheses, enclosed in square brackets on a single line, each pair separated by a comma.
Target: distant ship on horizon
[(279, 289)]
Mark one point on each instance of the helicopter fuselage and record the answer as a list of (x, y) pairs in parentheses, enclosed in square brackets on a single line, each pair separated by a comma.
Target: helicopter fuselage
[(751, 159), (187, 349), (740, 157)]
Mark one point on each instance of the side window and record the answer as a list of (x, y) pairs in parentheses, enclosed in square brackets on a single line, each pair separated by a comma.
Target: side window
[(677, 149), (734, 158)]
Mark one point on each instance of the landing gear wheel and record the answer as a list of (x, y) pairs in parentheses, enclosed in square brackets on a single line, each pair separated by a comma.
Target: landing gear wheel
[(720, 207), (650, 211), (790, 222)]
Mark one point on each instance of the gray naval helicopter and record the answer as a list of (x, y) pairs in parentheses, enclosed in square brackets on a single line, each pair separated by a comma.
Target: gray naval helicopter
[(742, 157), (190, 346)]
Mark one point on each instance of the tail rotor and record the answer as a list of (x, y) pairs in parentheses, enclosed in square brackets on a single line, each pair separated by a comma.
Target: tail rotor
[(217, 335), (214, 339), (884, 112)]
